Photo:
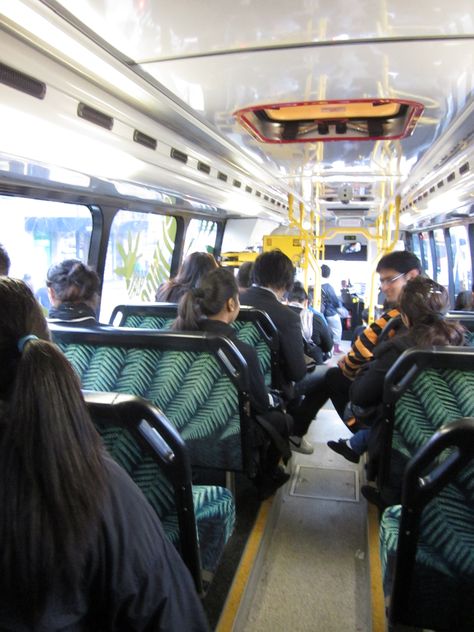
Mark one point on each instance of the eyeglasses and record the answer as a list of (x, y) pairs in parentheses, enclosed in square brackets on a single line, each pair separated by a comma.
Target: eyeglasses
[(392, 280)]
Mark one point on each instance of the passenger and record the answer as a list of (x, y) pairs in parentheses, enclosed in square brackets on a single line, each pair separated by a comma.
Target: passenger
[(317, 337), (395, 269), (212, 307), (273, 275), (192, 269), (81, 547), (464, 302), (361, 328), (4, 261), (329, 305), (74, 293), (423, 305), (244, 276)]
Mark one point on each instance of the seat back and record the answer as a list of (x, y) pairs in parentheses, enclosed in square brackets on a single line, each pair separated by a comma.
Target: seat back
[(424, 390), (252, 325), (139, 437), (427, 543), (199, 381)]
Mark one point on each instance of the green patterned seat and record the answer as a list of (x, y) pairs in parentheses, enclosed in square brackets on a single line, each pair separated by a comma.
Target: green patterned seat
[(196, 390), (435, 591), (432, 398), (208, 522), (252, 326)]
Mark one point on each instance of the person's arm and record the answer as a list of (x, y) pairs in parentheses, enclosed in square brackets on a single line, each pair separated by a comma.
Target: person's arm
[(367, 388), (292, 349), (141, 583), (363, 348), (322, 332)]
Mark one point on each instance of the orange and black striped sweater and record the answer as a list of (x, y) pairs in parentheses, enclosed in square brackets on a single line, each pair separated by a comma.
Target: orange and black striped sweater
[(363, 348)]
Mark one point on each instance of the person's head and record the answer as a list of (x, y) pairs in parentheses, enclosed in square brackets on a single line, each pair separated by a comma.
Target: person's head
[(325, 271), (71, 281), (244, 275), (464, 301), (4, 261), (423, 304), (273, 270), (395, 269), (297, 294), (194, 266), (51, 468), (216, 298)]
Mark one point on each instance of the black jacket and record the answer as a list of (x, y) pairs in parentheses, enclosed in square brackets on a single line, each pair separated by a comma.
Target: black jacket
[(367, 388), (134, 578), (258, 390), (78, 314), (288, 325)]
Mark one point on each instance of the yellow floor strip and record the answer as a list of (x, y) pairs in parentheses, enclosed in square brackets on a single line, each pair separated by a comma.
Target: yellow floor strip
[(242, 575), (376, 589)]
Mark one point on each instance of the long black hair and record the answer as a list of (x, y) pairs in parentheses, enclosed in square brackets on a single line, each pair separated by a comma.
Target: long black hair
[(208, 299), (52, 474), (196, 265), (425, 303)]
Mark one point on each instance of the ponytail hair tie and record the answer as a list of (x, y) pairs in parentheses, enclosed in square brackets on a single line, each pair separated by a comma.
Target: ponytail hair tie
[(22, 342)]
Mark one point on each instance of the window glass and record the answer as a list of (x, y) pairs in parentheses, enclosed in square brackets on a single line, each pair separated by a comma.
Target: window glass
[(138, 258), (461, 258), (441, 258), (415, 240), (38, 233), (200, 236), (425, 245)]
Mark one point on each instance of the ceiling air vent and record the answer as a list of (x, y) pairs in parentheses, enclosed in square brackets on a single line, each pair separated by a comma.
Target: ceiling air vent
[(451, 177), (311, 121), (94, 116), (203, 167), (179, 155), (258, 193), (18, 80), (464, 168), (221, 176), (237, 183), (144, 139), (248, 189)]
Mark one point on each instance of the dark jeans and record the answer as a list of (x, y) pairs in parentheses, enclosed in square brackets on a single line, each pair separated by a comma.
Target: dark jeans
[(317, 387)]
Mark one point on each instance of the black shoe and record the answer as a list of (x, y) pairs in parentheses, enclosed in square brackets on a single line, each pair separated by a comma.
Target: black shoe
[(373, 496), (344, 450)]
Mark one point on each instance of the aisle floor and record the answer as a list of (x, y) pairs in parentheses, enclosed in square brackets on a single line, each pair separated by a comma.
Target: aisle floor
[(315, 572)]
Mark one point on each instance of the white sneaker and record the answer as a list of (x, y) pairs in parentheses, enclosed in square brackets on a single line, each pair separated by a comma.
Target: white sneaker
[(299, 444)]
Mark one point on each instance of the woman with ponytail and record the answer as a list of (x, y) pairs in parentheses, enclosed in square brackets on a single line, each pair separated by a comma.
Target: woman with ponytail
[(212, 307), (423, 305), (81, 547)]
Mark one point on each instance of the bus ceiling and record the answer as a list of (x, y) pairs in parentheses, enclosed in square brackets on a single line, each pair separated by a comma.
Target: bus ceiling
[(229, 119)]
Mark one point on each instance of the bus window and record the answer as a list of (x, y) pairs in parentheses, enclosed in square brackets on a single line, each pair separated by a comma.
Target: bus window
[(200, 236), (416, 248), (427, 258), (442, 265), (38, 233), (138, 258), (462, 271)]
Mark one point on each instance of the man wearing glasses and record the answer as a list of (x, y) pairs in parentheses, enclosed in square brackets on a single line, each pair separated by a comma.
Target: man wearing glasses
[(394, 269)]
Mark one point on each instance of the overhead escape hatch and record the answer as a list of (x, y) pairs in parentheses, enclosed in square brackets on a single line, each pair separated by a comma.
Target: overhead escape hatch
[(320, 121)]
